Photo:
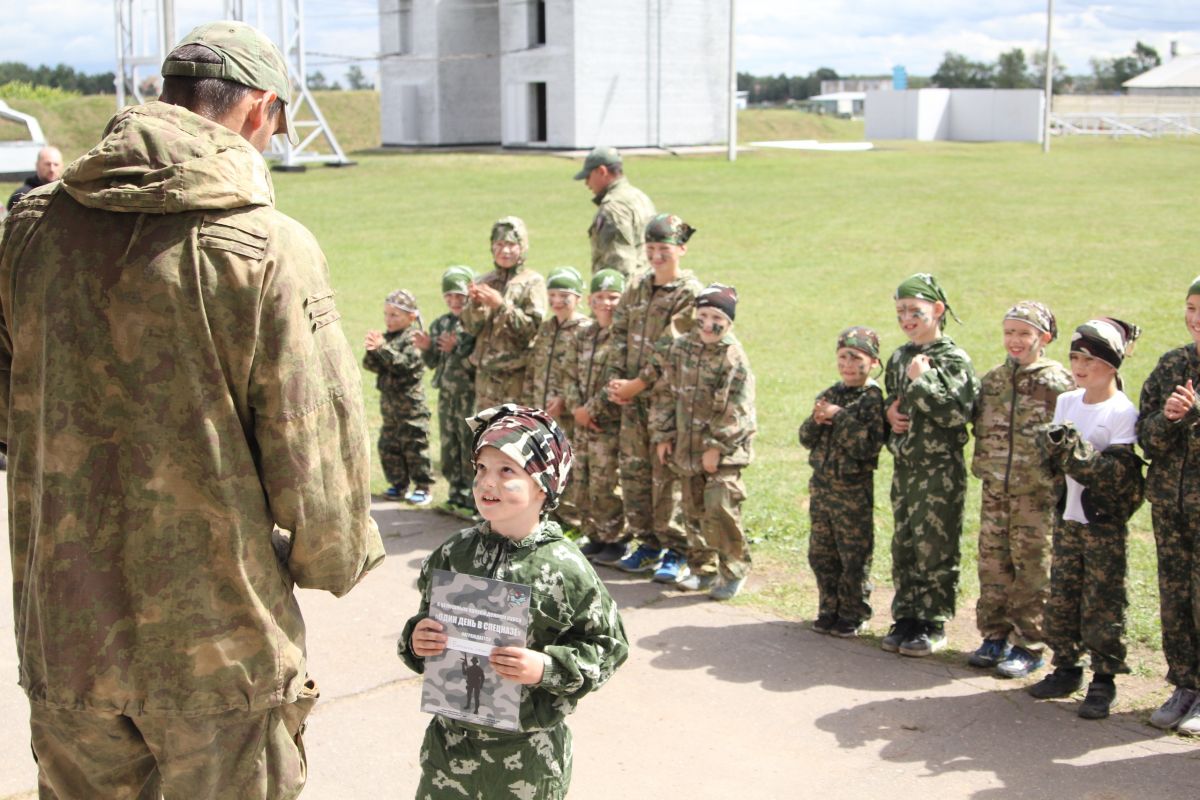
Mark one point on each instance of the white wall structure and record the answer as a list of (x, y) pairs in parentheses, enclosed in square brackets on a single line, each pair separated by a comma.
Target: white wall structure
[(554, 73), (964, 115)]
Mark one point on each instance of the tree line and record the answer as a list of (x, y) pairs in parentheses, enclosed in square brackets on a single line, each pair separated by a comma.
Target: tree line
[(59, 77)]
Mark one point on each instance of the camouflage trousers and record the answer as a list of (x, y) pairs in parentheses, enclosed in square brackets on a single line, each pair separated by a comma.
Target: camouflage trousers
[(712, 507), (649, 489), (927, 505), (1015, 533), (454, 406), (404, 449), (1177, 538), (458, 762), (841, 544), (595, 473), (494, 388), (234, 754), (1086, 612)]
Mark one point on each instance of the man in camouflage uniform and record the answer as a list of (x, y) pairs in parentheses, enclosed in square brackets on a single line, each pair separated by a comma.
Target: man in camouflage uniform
[(618, 231), (702, 422), (446, 350), (185, 428), (504, 310)]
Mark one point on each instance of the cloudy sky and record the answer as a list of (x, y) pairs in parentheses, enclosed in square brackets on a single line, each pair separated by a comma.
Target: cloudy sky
[(792, 36)]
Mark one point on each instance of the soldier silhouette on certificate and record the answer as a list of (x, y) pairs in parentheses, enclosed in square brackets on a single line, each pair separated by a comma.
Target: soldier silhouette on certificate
[(474, 676)]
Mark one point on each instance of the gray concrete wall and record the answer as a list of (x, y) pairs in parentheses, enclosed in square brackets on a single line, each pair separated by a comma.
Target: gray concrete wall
[(408, 91), (551, 63), (467, 73)]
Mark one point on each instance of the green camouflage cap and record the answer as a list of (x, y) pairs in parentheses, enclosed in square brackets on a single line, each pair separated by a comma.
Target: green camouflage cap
[(456, 279), (247, 57), (404, 300), (668, 229), (565, 279), (1036, 314), (1195, 287), (923, 286), (607, 280), (860, 338), (599, 157)]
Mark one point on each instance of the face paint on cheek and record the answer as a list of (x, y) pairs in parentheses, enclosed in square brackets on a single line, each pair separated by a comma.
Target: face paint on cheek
[(919, 315)]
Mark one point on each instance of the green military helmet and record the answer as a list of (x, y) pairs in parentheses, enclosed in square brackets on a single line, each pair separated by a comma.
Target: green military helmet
[(565, 279), (607, 280), (456, 279), (668, 229)]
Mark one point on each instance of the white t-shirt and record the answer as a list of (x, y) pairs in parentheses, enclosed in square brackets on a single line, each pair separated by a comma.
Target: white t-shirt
[(1102, 424)]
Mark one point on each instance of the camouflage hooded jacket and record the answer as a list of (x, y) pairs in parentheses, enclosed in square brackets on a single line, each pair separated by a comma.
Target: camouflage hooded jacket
[(400, 368), (1173, 447), (573, 620), (1014, 402), (591, 349), (549, 370), (174, 384), (847, 449), (648, 319), (939, 403), (618, 231), (704, 400), (504, 335), (452, 371)]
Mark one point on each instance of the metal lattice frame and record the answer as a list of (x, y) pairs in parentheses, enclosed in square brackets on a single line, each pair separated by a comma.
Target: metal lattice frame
[(141, 44), (1115, 125)]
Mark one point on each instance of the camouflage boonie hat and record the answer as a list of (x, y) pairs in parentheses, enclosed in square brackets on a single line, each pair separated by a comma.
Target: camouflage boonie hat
[(607, 280), (599, 157), (530, 437), (1107, 338), (923, 286), (860, 338), (403, 299), (668, 229), (456, 279), (565, 279), (1036, 314)]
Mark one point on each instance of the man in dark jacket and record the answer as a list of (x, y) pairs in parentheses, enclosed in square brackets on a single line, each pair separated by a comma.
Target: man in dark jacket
[(49, 169)]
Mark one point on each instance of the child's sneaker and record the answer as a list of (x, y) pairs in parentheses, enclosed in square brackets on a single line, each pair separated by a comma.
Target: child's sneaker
[(990, 653), (699, 581), (847, 628), (727, 590), (1190, 724), (394, 493), (1062, 682), (824, 623), (611, 554), (1099, 698), (646, 558), (419, 497), (591, 548), (673, 568), (927, 639), (900, 632), (1170, 713), (1021, 663)]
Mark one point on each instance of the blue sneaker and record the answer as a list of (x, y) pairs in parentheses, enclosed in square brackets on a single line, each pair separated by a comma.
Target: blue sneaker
[(1020, 663), (990, 653), (419, 497), (673, 569), (393, 493), (646, 558)]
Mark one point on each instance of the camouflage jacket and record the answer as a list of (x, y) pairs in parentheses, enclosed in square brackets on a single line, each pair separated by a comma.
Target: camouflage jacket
[(618, 231), (451, 371), (399, 368), (648, 319), (591, 349), (1172, 447), (175, 384), (939, 404), (1015, 401), (550, 369), (504, 335), (704, 400), (847, 449), (572, 620), (1113, 486)]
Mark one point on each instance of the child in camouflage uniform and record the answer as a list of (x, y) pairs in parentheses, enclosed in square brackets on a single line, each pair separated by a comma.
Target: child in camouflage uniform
[(597, 424), (931, 388), (1168, 431), (404, 437), (1019, 493), (701, 425), (657, 306), (576, 639), (446, 350), (844, 434), (1091, 443), (547, 376)]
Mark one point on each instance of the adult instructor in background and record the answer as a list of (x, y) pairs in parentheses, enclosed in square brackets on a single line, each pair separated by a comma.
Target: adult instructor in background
[(618, 231), (186, 442), (48, 168)]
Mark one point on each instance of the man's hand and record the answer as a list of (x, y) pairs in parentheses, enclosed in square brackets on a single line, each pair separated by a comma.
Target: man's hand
[(710, 460), (663, 449), (518, 664), (428, 639), (1181, 401), (484, 295), (374, 340), (421, 340), (898, 421), (447, 341)]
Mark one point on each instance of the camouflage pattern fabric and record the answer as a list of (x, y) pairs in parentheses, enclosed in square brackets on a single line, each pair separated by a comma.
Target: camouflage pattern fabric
[(454, 378), (596, 452), (705, 400), (504, 336), (843, 456), (618, 231), (1173, 489), (929, 482), (404, 436), (533, 439), (203, 394), (573, 621)]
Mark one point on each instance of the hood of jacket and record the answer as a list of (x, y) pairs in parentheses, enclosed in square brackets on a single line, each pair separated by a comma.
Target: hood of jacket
[(159, 158)]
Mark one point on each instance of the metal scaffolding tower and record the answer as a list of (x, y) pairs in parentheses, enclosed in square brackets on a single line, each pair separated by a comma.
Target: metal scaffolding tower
[(145, 34)]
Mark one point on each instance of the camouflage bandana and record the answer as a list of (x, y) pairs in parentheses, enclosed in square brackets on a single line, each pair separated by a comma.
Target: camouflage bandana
[(1036, 314), (668, 229), (607, 280), (565, 279), (403, 299), (455, 280), (924, 286), (1195, 287), (530, 437), (861, 339), (721, 297), (1108, 339)]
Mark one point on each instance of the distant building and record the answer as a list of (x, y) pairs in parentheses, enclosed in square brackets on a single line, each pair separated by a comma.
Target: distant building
[(839, 104), (856, 85), (963, 115), (554, 73), (1180, 76)]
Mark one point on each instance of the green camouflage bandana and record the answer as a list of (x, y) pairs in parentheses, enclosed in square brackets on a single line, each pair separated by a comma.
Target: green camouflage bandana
[(1195, 287), (607, 280), (455, 280), (861, 339), (530, 437), (565, 279), (1036, 314), (668, 229), (924, 286)]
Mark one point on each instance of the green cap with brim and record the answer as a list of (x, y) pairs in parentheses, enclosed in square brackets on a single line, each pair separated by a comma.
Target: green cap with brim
[(600, 157), (565, 279), (247, 57)]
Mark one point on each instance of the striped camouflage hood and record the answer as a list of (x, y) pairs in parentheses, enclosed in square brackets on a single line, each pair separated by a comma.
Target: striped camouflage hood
[(159, 158)]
